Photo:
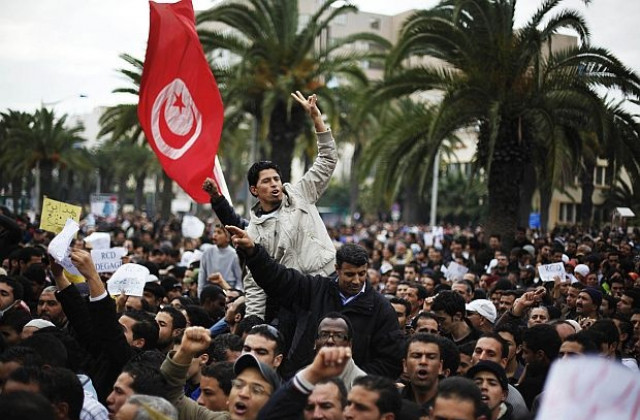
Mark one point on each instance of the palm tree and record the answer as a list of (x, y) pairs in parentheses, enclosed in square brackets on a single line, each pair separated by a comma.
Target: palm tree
[(506, 84), (277, 56), (46, 143), (13, 171)]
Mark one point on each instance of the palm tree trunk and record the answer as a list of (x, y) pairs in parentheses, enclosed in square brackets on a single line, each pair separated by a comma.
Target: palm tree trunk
[(546, 193), (46, 183), (504, 200), (122, 189), (526, 194), (16, 193), (166, 196), (586, 181), (139, 196), (284, 128), (354, 184)]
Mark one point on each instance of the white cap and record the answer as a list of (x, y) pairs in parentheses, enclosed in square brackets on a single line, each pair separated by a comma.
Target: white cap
[(484, 308), (581, 269)]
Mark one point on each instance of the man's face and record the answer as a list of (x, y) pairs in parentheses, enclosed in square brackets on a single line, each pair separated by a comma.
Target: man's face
[(391, 286), (423, 364), (492, 393), (503, 261), (635, 321), (414, 300), (6, 296), (465, 364), (351, 278), (211, 395), (220, 237), (127, 325), (410, 273), (165, 324), (495, 298), (324, 403), (445, 321), (572, 297), (268, 189), (494, 243), (427, 325), (429, 284), (592, 280), (402, 290), (506, 302), (462, 290), (121, 391), (361, 404), (452, 408), (400, 313), (569, 349), (332, 332), (528, 355), (538, 316), (508, 337), (249, 393), (625, 305), (10, 335), (616, 289), (50, 309), (263, 349), (151, 299), (488, 349), (584, 304)]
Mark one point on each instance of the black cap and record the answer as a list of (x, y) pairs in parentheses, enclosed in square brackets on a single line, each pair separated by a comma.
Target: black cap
[(493, 367), (155, 288), (248, 360), (170, 283)]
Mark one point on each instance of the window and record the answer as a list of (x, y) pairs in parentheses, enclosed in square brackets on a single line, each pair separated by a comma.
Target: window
[(374, 23), (600, 176), (569, 213)]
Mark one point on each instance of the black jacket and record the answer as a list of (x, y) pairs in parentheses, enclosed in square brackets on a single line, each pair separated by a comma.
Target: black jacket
[(377, 341)]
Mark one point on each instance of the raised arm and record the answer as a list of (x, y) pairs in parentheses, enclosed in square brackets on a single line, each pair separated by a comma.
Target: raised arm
[(221, 206), (316, 180)]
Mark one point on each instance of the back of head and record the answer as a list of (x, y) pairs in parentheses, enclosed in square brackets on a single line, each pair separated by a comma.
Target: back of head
[(223, 343), (151, 407), (49, 347), (24, 405), (247, 324), (62, 386), (389, 400), (450, 302), (198, 317), (147, 379), (542, 337), (145, 327)]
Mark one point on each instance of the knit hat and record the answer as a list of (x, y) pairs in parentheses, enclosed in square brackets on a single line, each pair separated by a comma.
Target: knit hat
[(595, 294), (493, 367), (581, 269)]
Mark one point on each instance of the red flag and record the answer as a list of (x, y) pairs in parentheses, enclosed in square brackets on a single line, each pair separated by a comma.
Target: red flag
[(180, 109)]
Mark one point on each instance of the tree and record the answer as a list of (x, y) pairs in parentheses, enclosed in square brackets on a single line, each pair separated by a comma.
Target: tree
[(277, 54), (505, 83), (45, 143)]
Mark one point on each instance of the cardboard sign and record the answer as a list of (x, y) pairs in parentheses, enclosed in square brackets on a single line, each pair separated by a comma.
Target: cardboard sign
[(455, 271), (548, 271), (108, 260), (128, 279), (594, 388), (99, 240), (59, 246), (55, 215), (192, 227)]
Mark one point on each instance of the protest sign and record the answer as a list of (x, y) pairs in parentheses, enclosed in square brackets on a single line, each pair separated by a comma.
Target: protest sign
[(104, 205), (455, 271), (192, 227), (108, 260), (59, 246), (548, 271), (128, 279), (98, 240), (55, 215), (591, 388)]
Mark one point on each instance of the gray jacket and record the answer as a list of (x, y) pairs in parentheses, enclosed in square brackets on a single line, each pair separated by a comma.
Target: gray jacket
[(297, 237)]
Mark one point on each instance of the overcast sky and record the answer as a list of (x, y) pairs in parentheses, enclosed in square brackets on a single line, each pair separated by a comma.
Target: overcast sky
[(53, 51)]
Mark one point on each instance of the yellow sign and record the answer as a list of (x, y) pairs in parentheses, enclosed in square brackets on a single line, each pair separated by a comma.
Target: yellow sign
[(55, 215)]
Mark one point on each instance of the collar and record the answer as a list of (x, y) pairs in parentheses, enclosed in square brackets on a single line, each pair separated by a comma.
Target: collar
[(346, 299)]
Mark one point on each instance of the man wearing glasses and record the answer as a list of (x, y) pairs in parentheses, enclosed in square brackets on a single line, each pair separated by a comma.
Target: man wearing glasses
[(377, 338)]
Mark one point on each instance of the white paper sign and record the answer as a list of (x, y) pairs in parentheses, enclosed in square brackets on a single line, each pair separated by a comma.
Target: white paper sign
[(591, 388), (59, 246), (108, 260), (548, 271), (99, 240), (455, 271), (192, 227), (128, 279)]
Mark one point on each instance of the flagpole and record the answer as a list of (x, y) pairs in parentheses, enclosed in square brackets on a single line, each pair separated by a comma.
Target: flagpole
[(254, 158)]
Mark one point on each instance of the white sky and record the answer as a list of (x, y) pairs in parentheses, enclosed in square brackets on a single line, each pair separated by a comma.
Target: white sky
[(51, 51)]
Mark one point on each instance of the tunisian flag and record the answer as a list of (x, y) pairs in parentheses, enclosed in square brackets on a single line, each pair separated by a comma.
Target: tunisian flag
[(180, 109)]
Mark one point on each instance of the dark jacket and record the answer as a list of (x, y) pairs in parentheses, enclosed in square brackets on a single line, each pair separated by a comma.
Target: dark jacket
[(377, 339)]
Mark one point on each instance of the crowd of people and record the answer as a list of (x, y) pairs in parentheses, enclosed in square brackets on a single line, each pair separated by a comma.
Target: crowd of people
[(280, 317)]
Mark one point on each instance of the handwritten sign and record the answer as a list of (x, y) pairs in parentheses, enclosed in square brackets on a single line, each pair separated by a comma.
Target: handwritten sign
[(128, 279), (59, 246), (55, 214), (590, 388), (192, 227), (108, 260), (99, 240), (455, 271), (548, 271)]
